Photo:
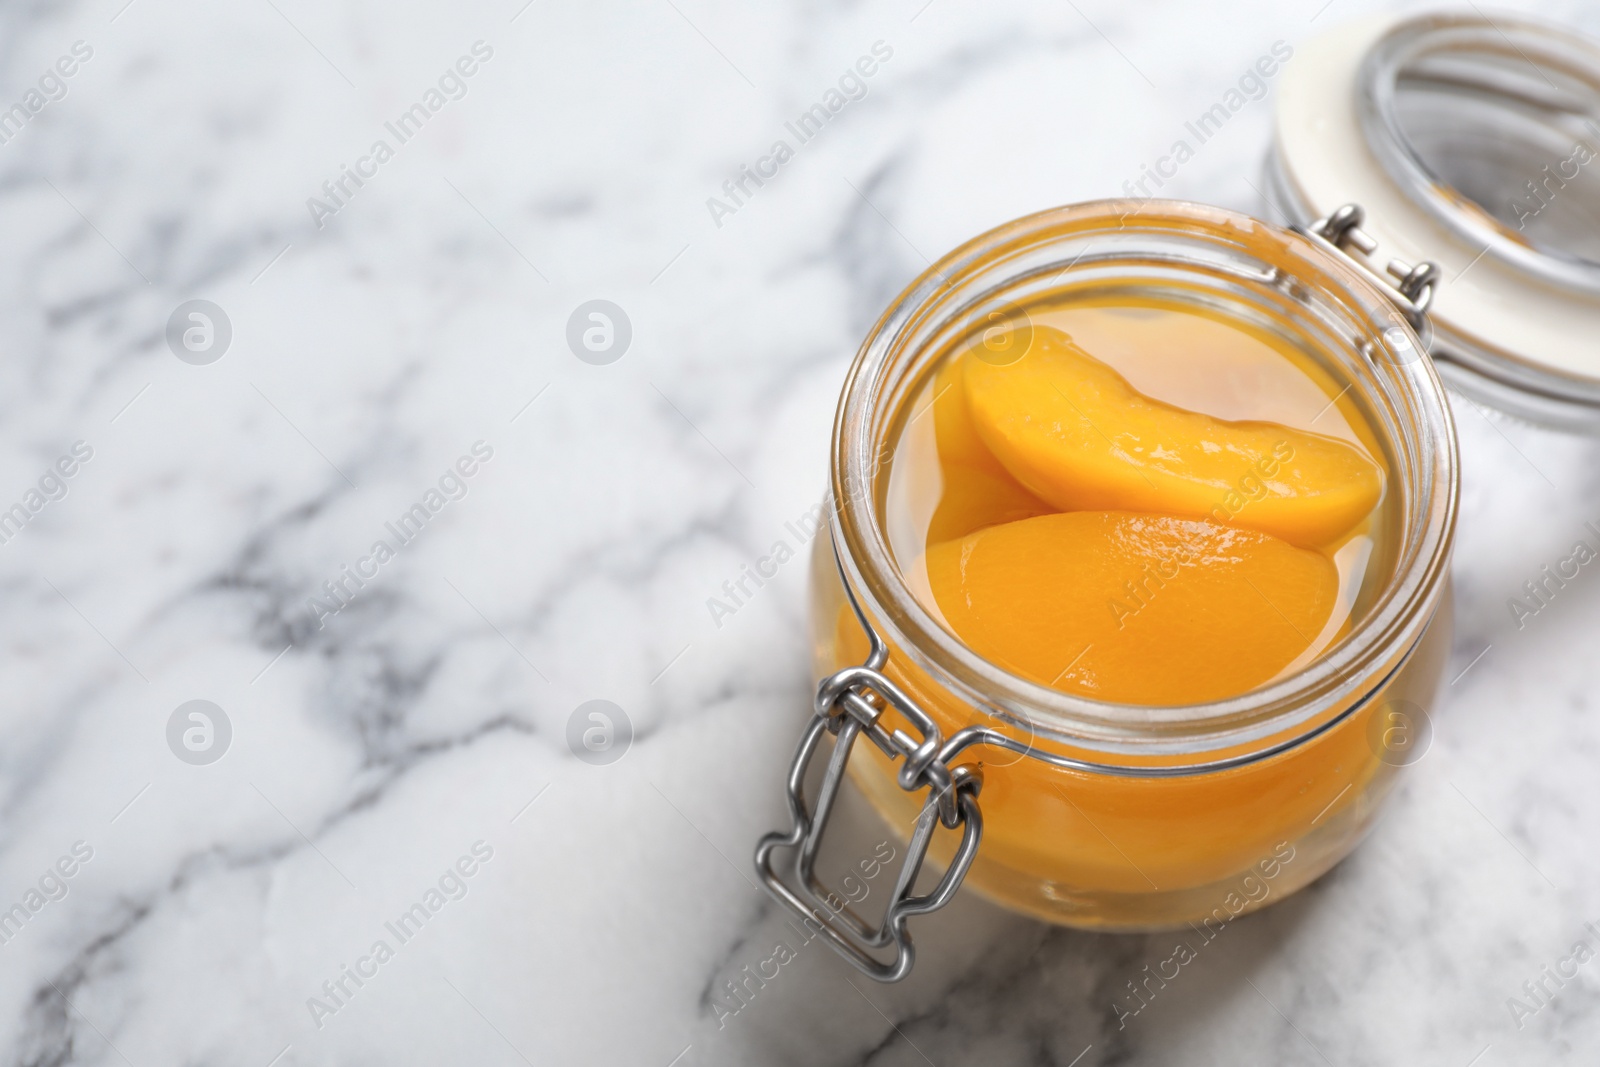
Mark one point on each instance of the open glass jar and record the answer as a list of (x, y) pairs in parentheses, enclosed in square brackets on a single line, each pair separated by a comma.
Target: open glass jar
[(1122, 816), (1119, 816)]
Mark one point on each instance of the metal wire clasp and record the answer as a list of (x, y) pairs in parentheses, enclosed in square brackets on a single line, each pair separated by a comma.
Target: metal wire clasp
[(1413, 286), (849, 705)]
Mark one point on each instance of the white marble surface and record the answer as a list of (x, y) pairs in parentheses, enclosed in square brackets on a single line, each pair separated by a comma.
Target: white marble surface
[(372, 752)]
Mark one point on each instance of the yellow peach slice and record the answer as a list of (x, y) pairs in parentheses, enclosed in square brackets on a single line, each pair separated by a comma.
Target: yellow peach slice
[(958, 440), (980, 498), (1077, 434), (1133, 608), (978, 491)]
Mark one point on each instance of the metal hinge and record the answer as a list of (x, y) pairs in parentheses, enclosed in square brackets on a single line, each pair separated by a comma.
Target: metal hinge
[(1412, 287)]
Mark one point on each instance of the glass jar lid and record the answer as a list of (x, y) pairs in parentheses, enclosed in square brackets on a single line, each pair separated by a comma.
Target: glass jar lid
[(1473, 141)]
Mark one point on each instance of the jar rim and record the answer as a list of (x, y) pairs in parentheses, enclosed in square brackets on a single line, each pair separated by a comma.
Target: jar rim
[(1298, 704)]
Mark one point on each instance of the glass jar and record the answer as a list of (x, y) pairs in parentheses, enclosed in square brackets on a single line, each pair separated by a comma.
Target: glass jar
[(1120, 817), (1153, 816)]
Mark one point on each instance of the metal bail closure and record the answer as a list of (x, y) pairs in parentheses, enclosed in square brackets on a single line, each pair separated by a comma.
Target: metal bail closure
[(849, 705), (1413, 286)]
